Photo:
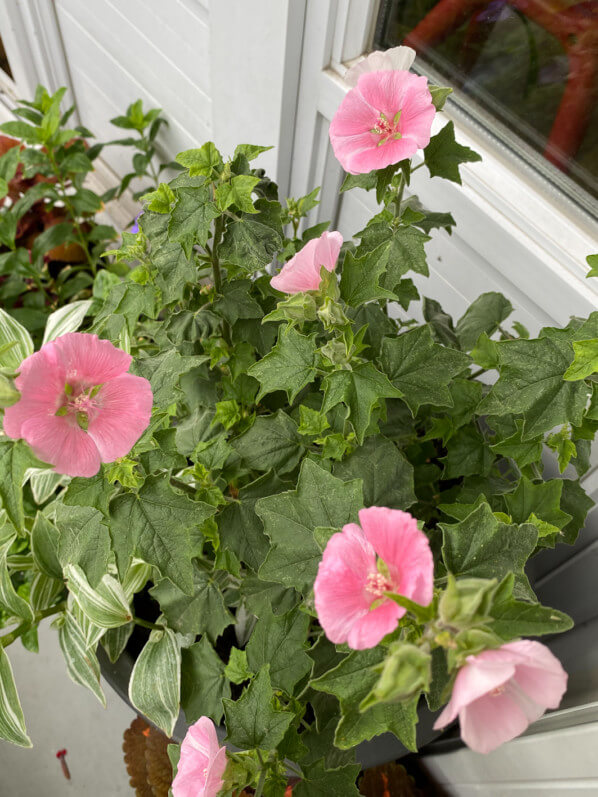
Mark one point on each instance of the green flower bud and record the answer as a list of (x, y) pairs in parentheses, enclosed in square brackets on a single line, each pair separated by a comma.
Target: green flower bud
[(9, 395), (297, 308), (466, 602), (406, 671), (331, 314)]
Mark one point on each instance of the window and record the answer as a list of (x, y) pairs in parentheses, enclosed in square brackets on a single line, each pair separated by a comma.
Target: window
[(526, 69)]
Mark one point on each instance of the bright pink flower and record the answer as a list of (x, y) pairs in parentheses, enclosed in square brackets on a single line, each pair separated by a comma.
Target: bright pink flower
[(499, 692), (400, 58), (202, 762), (387, 117), (302, 272), (351, 581), (79, 406)]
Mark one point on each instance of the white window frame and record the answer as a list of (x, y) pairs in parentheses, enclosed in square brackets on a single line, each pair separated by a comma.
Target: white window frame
[(505, 212)]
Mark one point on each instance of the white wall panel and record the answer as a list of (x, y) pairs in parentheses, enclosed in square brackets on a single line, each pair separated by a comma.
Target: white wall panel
[(158, 51)]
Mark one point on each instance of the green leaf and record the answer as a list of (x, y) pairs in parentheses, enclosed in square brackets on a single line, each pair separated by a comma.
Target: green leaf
[(420, 368), (482, 547), (204, 612), (12, 721), (254, 721), (44, 546), (15, 459), (485, 314), (290, 519), (592, 261), (359, 279), (202, 161), (386, 473), (191, 218), (468, 454), (154, 525), (155, 683), (440, 322), (237, 192), (586, 360), (11, 332), (164, 371), (241, 530), (311, 422), (360, 390), (513, 618), (114, 641), (351, 681), (401, 249), (542, 500), (160, 200), (522, 451), (81, 661), (576, 503), (262, 597), (94, 491), (249, 151), (203, 682), (485, 353), (280, 641), (175, 271), (321, 782), (439, 95), (531, 383), (66, 319), (237, 670), (44, 483), (251, 242), (444, 155), (271, 443), (237, 302), (290, 366), (83, 540), (106, 605)]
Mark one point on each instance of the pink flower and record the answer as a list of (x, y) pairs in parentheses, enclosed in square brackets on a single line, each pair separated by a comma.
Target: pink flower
[(202, 762), (351, 582), (302, 272), (79, 406), (499, 692), (398, 58), (387, 117)]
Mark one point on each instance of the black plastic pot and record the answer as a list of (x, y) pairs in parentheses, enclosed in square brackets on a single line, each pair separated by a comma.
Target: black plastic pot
[(380, 750)]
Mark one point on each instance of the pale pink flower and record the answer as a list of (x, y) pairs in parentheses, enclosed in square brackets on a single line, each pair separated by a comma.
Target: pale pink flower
[(79, 406), (499, 692), (202, 762), (399, 58), (302, 272), (351, 582), (386, 118)]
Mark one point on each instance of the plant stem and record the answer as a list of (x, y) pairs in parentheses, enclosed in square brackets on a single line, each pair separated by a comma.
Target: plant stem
[(147, 624), (218, 230), (260, 783), (8, 639), (181, 485), (399, 197)]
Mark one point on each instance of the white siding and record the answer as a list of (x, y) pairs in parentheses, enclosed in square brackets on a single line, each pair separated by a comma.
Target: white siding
[(156, 50)]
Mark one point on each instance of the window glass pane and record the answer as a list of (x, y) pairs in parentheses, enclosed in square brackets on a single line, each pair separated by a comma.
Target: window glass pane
[(527, 69), (4, 65)]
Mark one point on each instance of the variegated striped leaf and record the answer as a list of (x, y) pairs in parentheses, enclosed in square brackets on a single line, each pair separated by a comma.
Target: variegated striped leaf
[(12, 721), (81, 661), (155, 685), (92, 633), (9, 597), (43, 483), (106, 605), (115, 639), (67, 319), (45, 592), (11, 332), (136, 577)]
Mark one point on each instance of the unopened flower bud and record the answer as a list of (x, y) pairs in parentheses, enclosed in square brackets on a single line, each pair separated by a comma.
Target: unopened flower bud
[(406, 671)]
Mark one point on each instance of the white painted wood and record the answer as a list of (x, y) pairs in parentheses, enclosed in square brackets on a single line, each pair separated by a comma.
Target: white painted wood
[(255, 53), (563, 762)]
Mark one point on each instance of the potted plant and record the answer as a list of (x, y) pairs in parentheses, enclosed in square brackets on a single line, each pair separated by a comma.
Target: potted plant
[(306, 514)]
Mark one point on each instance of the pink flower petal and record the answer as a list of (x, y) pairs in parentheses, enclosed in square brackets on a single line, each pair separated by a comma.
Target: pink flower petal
[(363, 130), (369, 630), (302, 272), (403, 548), (202, 762), (491, 721), (339, 588), (41, 381), (89, 360), (396, 58), (62, 443), (123, 414)]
